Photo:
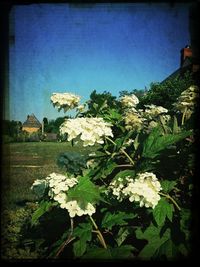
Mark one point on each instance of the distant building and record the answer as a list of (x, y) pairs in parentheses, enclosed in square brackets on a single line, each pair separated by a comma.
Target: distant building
[(188, 62), (32, 124)]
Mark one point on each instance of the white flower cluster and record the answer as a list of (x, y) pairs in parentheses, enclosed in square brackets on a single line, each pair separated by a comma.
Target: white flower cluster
[(187, 100), (65, 100), (74, 209), (91, 130), (117, 187), (152, 111), (144, 189), (129, 100), (133, 120), (58, 185), (144, 119)]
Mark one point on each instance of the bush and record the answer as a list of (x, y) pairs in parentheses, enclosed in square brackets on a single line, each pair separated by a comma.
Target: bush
[(130, 199)]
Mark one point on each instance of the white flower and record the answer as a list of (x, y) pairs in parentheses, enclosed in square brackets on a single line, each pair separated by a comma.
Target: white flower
[(81, 108), (90, 163), (187, 101), (93, 154), (65, 100), (61, 198), (90, 209), (129, 101), (74, 209), (90, 130), (144, 189), (152, 111), (133, 121)]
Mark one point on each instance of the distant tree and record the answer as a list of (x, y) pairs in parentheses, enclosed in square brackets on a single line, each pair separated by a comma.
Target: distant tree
[(50, 127), (12, 128), (165, 94), (53, 125), (45, 121), (99, 102), (59, 121)]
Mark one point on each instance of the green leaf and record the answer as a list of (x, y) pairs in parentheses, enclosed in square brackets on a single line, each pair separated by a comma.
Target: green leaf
[(167, 249), (123, 252), (169, 211), (113, 115), (84, 232), (156, 142), (119, 218), (122, 235), (108, 168), (98, 253), (167, 185), (44, 207), (119, 142), (73, 162), (185, 222), (162, 210), (155, 240), (146, 165), (124, 174), (79, 248), (103, 169), (85, 191)]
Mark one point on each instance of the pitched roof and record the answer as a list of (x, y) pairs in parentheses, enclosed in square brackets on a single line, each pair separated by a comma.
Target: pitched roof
[(32, 121)]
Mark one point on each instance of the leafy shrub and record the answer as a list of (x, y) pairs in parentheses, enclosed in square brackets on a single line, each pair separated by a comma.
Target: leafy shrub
[(133, 201)]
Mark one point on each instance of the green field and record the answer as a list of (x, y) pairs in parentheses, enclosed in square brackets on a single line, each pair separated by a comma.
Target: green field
[(25, 162)]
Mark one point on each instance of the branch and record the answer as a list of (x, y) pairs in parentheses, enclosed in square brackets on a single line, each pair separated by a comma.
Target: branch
[(169, 197), (69, 239), (122, 150), (99, 235)]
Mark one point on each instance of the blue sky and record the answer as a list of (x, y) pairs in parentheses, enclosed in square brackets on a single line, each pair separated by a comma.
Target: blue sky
[(106, 47)]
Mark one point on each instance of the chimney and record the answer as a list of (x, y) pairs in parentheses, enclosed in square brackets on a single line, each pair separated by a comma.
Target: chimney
[(185, 52)]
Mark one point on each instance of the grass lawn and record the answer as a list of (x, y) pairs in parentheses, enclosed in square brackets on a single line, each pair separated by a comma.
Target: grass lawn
[(25, 162)]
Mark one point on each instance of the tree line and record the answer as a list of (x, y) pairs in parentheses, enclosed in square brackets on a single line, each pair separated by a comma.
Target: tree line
[(161, 94)]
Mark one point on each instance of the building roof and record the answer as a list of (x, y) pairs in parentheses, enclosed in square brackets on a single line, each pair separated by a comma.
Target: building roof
[(188, 61), (32, 122)]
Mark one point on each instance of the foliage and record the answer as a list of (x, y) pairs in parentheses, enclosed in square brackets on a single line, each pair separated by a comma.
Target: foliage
[(14, 244), (52, 126), (11, 128), (133, 201), (100, 103), (165, 93), (73, 162)]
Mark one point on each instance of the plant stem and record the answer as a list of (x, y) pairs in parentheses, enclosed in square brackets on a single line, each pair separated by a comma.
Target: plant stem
[(169, 197), (69, 239), (99, 235), (124, 165), (122, 150)]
